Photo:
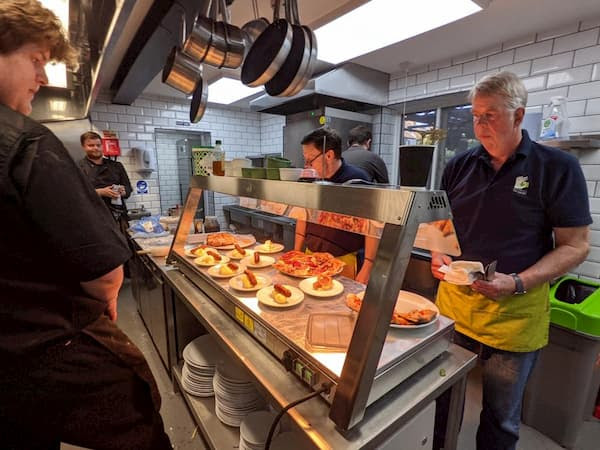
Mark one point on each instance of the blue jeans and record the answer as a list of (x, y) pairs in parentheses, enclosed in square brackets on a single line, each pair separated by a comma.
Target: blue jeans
[(505, 375)]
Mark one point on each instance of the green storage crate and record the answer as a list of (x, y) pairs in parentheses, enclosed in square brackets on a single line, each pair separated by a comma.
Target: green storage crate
[(275, 162)]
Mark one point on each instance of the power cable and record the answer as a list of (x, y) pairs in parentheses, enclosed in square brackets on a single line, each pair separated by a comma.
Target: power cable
[(325, 387)]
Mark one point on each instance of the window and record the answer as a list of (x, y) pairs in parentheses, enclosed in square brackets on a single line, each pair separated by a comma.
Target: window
[(415, 124)]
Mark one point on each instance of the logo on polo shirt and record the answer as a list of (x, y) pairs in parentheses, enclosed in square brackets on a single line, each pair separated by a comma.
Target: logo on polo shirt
[(521, 185)]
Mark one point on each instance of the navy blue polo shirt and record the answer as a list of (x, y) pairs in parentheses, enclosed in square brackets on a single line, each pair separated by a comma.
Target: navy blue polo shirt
[(348, 172), (321, 238), (509, 215)]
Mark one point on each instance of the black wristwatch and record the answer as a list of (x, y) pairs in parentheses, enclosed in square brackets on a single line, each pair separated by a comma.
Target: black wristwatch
[(519, 288)]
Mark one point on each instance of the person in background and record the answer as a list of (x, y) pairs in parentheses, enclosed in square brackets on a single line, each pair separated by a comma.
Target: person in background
[(68, 373), (322, 151), (526, 206), (104, 173), (359, 154)]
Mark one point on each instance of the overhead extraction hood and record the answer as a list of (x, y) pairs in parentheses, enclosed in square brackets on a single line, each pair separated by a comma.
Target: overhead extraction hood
[(350, 87)]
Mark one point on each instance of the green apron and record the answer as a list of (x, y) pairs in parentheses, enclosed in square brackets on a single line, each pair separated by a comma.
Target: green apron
[(516, 323)]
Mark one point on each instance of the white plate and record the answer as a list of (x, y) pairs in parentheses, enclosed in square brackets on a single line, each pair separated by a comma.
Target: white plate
[(214, 271), (407, 301), (224, 259), (264, 296), (188, 251), (307, 286), (262, 281), (275, 248), (233, 254), (265, 261), (243, 240)]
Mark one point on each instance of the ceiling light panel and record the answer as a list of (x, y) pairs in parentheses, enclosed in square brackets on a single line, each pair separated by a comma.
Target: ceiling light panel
[(228, 90), (380, 23)]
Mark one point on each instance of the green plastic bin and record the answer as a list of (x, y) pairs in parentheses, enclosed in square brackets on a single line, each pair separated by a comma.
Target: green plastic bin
[(562, 390)]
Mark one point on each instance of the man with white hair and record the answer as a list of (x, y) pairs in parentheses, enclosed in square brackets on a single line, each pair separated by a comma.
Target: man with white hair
[(526, 206)]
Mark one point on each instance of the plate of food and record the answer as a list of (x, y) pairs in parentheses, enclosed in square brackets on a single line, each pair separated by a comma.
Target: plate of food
[(210, 259), (226, 270), (227, 241), (321, 286), (249, 281), (239, 252), (196, 251), (269, 247), (411, 310), (303, 265), (280, 296), (258, 261)]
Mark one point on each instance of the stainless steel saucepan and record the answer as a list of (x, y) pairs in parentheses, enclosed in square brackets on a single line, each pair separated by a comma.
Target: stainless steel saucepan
[(251, 30), (181, 72), (198, 105), (236, 46)]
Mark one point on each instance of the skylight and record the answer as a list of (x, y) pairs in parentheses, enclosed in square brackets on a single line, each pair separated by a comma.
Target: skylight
[(228, 90), (380, 23)]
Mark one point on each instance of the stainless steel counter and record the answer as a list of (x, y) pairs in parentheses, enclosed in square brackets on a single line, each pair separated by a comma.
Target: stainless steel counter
[(381, 418)]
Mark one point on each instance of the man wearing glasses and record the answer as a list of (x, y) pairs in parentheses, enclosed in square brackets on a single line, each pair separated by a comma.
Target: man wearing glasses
[(526, 206), (322, 150)]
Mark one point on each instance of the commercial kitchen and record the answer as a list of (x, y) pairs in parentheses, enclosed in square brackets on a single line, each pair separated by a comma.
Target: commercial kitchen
[(206, 103)]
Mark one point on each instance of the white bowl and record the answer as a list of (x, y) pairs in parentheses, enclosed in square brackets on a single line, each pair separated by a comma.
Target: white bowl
[(290, 174)]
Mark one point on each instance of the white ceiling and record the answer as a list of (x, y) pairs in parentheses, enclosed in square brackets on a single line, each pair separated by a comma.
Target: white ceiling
[(502, 20)]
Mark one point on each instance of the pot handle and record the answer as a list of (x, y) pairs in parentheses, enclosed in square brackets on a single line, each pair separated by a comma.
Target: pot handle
[(276, 5), (225, 12), (296, 16)]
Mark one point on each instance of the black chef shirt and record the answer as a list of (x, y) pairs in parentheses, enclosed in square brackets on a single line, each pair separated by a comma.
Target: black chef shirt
[(509, 215), (320, 238), (106, 174), (55, 233)]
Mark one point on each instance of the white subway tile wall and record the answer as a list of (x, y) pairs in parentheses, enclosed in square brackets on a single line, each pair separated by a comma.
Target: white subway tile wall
[(563, 61), (139, 125)]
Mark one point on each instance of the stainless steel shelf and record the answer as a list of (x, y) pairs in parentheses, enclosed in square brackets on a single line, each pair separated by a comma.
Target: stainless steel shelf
[(217, 435)]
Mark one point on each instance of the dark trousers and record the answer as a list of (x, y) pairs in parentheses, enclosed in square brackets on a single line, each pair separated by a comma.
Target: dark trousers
[(77, 392)]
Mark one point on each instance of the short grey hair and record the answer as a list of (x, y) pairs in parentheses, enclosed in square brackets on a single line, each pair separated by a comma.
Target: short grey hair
[(505, 84)]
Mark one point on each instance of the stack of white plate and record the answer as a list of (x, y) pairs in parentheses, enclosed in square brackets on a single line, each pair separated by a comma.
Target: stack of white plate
[(235, 394), (200, 356), (255, 429)]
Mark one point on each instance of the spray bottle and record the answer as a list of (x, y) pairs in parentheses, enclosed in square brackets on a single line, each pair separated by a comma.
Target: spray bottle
[(556, 124)]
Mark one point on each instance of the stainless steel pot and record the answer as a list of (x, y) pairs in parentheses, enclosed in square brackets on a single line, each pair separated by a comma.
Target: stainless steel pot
[(236, 46), (181, 72), (198, 43), (251, 30), (199, 100)]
